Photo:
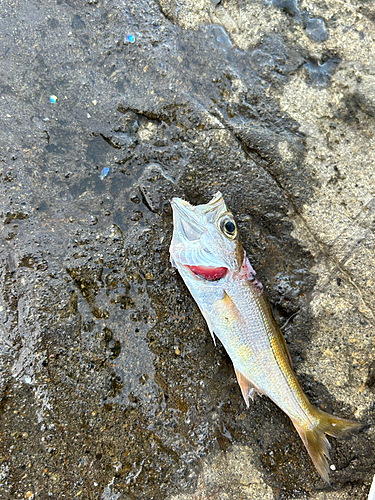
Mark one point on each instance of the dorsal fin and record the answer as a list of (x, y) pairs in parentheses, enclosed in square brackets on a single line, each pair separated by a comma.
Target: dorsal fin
[(278, 334)]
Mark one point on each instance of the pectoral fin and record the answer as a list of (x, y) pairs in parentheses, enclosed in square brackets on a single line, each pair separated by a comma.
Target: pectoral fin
[(248, 389), (207, 318)]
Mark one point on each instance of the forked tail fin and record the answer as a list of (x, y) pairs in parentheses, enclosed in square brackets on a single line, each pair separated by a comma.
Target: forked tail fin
[(316, 442)]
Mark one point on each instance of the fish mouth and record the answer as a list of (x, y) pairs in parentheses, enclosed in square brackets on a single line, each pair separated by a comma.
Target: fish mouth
[(208, 273), (186, 219)]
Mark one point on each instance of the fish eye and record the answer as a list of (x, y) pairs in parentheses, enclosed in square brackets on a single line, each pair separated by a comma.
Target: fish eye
[(228, 226)]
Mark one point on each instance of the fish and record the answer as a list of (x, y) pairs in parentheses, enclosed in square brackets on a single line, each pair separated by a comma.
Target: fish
[(207, 251)]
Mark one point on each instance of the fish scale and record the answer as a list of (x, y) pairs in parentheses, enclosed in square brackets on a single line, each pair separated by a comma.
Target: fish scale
[(207, 251)]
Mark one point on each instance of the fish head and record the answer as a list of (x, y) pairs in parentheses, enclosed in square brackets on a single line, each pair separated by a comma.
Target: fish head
[(205, 240)]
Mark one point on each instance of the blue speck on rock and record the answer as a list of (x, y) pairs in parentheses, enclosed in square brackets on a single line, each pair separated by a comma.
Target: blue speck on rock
[(104, 173)]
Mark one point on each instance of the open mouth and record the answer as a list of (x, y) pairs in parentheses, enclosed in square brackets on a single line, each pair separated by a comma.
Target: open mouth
[(209, 273)]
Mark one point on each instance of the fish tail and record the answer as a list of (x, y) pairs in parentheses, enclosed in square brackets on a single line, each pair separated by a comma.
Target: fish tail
[(315, 440)]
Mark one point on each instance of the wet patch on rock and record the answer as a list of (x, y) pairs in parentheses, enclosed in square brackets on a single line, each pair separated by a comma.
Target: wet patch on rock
[(288, 6), (319, 73), (315, 27)]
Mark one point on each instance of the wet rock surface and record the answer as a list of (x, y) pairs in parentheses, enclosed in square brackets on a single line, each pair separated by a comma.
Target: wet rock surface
[(110, 384)]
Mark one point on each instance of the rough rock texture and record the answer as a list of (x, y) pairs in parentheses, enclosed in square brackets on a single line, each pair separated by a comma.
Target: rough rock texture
[(110, 385)]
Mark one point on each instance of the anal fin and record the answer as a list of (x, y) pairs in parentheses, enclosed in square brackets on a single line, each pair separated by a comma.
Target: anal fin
[(248, 389)]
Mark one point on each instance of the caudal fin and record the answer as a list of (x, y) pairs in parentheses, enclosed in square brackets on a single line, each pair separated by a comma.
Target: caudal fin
[(316, 442)]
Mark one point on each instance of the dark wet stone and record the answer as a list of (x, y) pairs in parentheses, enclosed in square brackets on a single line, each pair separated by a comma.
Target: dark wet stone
[(316, 29), (53, 23), (289, 6), (77, 22), (320, 73)]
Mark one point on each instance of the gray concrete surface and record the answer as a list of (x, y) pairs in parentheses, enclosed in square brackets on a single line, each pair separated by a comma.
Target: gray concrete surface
[(110, 385)]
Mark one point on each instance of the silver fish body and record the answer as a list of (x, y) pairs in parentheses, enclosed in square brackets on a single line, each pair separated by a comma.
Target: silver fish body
[(207, 251)]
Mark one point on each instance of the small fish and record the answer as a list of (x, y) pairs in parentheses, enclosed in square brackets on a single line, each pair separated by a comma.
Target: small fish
[(207, 251)]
